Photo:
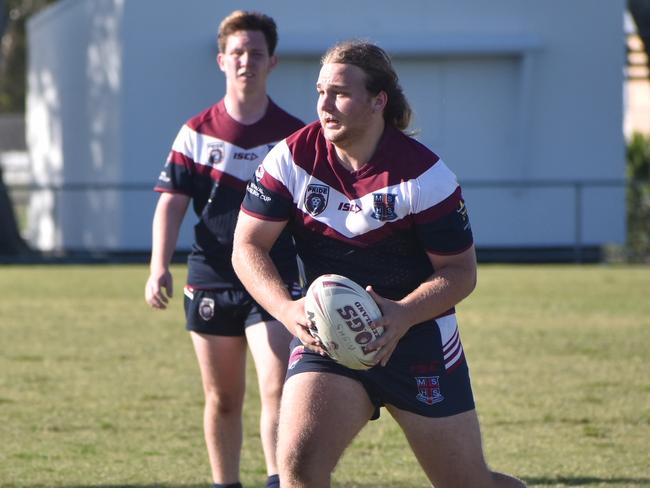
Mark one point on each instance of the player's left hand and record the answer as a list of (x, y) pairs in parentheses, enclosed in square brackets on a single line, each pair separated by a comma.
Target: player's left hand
[(394, 325)]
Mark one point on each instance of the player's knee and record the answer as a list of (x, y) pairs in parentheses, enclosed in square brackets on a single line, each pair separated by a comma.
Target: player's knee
[(299, 473), (271, 392), (300, 466), (223, 405)]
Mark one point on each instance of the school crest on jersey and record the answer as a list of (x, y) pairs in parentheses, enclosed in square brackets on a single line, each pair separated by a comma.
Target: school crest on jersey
[(429, 389), (384, 206), (316, 198), (216, 152)]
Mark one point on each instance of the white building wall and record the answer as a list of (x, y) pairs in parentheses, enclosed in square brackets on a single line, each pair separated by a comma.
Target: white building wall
[(74, 134), (522, 91)]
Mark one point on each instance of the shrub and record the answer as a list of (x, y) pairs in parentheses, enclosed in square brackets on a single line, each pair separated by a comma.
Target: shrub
[(638, 198)]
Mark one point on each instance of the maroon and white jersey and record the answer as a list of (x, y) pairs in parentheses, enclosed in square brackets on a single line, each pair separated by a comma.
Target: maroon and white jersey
[(374, 225), (212, 159)]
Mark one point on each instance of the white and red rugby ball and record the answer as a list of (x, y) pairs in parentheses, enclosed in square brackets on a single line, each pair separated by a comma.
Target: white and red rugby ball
[(342, 313)]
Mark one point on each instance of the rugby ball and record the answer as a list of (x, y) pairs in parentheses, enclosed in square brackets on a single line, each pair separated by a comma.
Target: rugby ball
[(342, 315)]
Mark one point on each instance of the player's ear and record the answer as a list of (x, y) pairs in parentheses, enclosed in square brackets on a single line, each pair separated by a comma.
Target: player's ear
[(220, 61), (273, 62), (379, 101)]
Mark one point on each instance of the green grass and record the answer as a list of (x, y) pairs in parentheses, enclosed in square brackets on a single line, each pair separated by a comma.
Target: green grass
[(97, 390)]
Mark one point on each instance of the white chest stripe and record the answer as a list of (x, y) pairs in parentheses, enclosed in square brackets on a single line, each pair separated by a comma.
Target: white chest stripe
[(349, 217), (219, 154), (354, 217)]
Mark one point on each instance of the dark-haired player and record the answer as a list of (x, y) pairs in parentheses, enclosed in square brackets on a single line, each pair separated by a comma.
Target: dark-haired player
[(212, 158)]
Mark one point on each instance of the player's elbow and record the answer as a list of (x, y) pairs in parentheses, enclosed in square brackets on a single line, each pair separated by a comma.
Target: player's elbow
[(237, 257), (466, 278), (472, 281)]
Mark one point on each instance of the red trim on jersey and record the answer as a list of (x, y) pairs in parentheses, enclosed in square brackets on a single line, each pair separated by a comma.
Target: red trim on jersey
[(260, 216), (216, 122), (162, 189), (450, 253), (359, 240), (275, 186), (181, 159), (308, 145), (221, 177), (448, 205)]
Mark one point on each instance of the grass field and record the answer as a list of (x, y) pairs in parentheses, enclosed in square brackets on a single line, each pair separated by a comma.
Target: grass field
[(96, 390)]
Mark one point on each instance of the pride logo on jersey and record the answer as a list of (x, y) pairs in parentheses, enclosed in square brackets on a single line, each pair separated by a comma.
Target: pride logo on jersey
[(316, 198), (215, 152)]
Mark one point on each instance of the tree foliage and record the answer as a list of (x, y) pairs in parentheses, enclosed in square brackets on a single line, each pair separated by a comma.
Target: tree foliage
[(638, 198), (13, 51), (13, 55)]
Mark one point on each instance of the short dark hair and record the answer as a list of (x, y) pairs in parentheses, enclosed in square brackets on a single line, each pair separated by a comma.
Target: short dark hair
[(242, 20), (380, 76)]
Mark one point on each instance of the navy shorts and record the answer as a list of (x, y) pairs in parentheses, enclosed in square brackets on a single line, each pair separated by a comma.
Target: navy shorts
[(224, 312), (427, 373)]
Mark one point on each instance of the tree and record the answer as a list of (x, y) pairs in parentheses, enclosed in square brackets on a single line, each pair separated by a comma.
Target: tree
[(13, 15), (638, 198), (13, 48)]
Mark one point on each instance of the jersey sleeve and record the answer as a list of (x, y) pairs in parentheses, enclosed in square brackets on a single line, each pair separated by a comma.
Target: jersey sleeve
[(268, 195), (176, 176), (441, 217)]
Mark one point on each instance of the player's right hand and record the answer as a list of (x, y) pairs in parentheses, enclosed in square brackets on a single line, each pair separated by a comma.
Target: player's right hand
[(295, 319), (159, 289)]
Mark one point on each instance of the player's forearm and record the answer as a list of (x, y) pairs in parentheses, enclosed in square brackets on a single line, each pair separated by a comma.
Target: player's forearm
[(164, 244), (261, 278), (165, 230), (445, 289)]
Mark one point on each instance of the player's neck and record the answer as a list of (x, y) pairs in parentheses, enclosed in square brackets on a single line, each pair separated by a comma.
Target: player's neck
[(246, 108), (353, 155)]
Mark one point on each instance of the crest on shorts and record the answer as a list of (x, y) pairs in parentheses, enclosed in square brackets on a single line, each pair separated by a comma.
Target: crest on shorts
[(206, 308), (383, 205), (316, 199), (429, 389), (216, 151)]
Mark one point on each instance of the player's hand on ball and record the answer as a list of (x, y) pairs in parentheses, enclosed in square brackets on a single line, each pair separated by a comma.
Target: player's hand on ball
[(298, 324), (394, 327), (159, 289)]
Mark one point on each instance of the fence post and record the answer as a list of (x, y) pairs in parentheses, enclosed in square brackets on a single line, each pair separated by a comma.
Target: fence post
[(577, 247)]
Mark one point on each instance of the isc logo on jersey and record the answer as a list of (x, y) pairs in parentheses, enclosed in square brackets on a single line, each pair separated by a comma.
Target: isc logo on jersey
[(248, 156), (349, 207)]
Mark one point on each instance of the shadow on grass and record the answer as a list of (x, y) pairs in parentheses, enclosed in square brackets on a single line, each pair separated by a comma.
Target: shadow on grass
[(586, 481)]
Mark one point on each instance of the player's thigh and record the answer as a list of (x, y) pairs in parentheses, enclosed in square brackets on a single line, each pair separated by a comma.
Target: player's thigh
[(269, 345), (222, 361), (320, 415), (449, 449)]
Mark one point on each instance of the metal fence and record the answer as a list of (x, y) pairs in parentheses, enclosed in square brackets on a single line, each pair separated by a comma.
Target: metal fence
[(20, 194)]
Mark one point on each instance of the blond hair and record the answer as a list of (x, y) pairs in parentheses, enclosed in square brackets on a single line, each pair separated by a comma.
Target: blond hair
[(380, 76)]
